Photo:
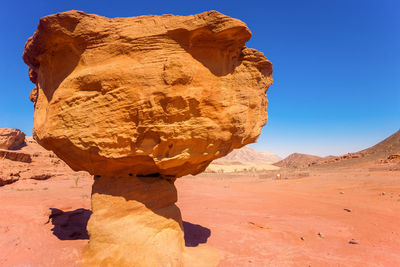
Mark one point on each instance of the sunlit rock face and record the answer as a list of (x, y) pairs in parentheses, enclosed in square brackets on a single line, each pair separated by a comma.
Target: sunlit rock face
[(145, 95), (139, 102), (11, 138)]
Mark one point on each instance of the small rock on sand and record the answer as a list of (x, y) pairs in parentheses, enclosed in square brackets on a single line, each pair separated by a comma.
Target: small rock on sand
[(353, 241)]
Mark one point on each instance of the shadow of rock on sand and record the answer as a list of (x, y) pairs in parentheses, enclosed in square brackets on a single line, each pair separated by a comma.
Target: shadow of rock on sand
[(71, 225), (195, 234)]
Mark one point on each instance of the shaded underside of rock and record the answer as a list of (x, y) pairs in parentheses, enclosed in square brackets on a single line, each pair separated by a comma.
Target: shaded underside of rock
[(150, 95)]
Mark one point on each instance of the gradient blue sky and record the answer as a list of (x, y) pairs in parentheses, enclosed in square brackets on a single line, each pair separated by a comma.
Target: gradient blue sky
[(336, 65)]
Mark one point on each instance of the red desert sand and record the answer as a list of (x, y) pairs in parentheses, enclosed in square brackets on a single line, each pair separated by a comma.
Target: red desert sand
[(330, 218)]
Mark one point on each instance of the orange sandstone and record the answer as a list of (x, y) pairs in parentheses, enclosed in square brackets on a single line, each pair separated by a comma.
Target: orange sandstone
[(11, 138), (139, 102)]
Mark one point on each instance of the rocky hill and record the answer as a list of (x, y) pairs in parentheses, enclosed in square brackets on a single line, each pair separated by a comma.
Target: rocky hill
[(386, 151), (297, 160)]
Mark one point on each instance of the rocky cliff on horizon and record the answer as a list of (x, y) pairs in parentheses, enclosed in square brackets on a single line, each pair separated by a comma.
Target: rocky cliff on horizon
[(248, 155)]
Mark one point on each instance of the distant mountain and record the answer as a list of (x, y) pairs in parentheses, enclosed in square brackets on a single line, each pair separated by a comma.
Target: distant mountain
[(246, 155), (297, 160), (271, 156), (385, 151)]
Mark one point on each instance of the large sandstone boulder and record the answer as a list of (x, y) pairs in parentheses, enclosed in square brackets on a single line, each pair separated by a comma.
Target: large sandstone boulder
[(11, 138), (139, 102), (145, 95)]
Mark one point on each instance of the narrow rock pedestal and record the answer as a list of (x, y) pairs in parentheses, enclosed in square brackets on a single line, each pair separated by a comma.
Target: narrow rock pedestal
[(135, 222)]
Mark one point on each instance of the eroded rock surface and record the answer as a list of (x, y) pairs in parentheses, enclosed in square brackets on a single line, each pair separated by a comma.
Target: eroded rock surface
[(11, 138), (138, 102), (144, 95), (15, 156)]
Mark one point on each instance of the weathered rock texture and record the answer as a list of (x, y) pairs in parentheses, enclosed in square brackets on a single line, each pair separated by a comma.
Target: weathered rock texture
[(11, 138), (138, 102), (16, 156), (151, 94)]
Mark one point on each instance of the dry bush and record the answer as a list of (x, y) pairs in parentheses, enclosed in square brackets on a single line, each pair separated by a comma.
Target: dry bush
[(303, 174), (76, 181)]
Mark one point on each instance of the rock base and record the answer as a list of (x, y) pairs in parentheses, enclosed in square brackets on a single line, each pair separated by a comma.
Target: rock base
[(135, 222)]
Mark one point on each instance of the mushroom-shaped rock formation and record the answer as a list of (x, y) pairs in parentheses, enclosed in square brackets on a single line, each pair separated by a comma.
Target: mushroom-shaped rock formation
[(138, 102)]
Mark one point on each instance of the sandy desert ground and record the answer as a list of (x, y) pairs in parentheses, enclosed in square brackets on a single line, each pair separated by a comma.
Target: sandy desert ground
[(330, 217)]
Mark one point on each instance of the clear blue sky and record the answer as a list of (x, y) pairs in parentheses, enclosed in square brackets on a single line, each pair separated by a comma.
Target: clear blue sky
[(336, 65)]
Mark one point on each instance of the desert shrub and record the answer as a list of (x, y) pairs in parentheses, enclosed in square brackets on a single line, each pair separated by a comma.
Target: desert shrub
[(303, 174), (76, 181), (264, 176)]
